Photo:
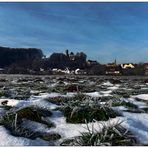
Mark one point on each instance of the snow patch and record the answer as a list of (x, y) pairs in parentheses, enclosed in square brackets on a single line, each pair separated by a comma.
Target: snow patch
[(107, 83), (106, 92), (34, 126), (138, 103), (114, 87), (68, 130), (9, 140), (138, 124), (141, 96), (11, 102)]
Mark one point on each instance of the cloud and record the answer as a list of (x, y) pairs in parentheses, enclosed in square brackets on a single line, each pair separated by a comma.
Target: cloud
[(104, 31)]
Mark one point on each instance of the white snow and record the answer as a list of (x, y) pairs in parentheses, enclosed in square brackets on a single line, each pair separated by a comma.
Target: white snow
[(8, 140), (68, 130), (113, 87), (70, 95), (44, 104), (2, 112), (93, 94), (141, 96), (11, 102), (66, 83), (41, 103), (46, 95), (52, 95), (107, 83), (36, 101), (97, 94), (119, 108), (138, 103), (144, 88), (106, 92), (14, 81), (52, 85), (34, 126), (34, 91), (138, 124)]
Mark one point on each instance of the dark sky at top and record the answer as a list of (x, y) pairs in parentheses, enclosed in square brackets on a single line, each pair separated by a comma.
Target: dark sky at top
[(104, 31)]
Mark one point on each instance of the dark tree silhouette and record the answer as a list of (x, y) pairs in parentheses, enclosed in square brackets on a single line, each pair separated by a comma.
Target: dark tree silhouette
[(10, 56)]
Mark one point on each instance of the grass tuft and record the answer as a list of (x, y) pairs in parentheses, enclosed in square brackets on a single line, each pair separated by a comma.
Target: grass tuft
[(78, 114), (109, 135)]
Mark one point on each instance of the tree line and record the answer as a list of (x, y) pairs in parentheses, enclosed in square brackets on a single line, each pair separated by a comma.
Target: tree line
[(32, 61)]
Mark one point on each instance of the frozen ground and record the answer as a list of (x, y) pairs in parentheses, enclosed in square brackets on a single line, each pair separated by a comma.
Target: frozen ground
[(9, 140), (52, 93)]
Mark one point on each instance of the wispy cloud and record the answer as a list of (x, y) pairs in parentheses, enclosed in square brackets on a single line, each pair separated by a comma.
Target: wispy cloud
[(104, 31)]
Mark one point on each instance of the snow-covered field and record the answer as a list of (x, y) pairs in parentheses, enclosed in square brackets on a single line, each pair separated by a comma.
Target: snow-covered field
[(54, 110)]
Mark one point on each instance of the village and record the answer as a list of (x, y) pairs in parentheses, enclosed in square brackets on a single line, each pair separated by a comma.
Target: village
[(111, 69), (104, 69), (33, 61)]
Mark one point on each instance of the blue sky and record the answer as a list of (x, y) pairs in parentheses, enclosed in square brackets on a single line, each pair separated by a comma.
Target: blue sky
[(104, 31)]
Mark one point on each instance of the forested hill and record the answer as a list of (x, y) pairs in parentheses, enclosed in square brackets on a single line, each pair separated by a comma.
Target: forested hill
[(9, 56)]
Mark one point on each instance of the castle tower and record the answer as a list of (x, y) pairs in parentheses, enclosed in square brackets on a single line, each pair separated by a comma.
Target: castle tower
[(115, 62), (67, 53)]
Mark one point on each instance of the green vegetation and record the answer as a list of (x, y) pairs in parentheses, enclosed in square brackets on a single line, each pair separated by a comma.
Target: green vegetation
[(40, 87), (34, 114), (123, 93), (6, 107), (68, 142), (50, 136), (77, 99), (141, 100), (80, 108), (58, 100), (2, 93), (57, 89), (106, 98), (145, 110), (125, 103), (19, 131), (11, 120), (112, 135), (86, 112), (80, 97)]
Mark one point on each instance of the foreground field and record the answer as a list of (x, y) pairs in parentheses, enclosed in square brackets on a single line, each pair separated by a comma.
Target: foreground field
[(73, 110)]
